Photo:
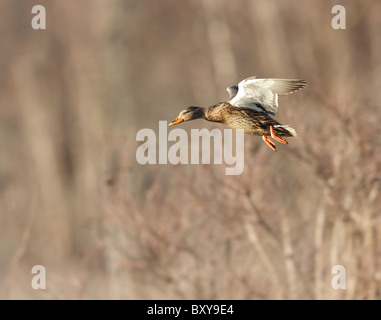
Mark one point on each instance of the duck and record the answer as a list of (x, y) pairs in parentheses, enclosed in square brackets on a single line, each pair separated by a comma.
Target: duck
[(250, 106)]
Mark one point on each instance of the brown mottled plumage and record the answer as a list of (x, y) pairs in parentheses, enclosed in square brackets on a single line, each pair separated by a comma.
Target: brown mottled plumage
[(251, 121), (249, 107)]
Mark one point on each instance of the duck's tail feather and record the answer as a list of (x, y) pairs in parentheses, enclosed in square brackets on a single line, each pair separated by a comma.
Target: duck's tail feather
[(291, 131)]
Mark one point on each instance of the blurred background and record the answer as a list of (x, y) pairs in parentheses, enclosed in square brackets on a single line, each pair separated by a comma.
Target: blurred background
[(74, 199)]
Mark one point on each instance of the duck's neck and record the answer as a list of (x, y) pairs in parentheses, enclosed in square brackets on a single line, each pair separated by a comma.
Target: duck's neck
[(199, 113), (213, 113)]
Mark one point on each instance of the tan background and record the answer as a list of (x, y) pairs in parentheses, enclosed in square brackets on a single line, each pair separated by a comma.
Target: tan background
[(73, 198)]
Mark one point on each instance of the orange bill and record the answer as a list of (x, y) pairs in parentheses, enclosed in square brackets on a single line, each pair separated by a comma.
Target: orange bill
[(178, 120)]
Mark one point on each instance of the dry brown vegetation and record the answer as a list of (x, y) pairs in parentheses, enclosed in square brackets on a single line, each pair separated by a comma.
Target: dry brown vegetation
[(73, 198)]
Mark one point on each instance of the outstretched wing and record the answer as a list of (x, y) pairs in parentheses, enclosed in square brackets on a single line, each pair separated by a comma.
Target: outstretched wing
[(262, 94)]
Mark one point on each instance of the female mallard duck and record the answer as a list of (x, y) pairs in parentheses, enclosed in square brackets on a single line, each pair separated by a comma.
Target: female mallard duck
[(249, 107)]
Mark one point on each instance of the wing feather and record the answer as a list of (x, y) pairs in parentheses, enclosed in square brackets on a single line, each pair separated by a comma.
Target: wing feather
[(252, 92), (232, 91)]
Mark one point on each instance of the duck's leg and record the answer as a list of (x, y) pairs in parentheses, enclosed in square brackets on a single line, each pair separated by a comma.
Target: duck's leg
[(269, 143), (277, 138)]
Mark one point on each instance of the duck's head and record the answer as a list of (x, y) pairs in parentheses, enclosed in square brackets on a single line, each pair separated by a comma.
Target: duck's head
[(188, 114)]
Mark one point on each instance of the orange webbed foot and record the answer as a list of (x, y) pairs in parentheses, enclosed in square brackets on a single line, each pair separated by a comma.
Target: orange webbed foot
[(269, 143), (277, 138)]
